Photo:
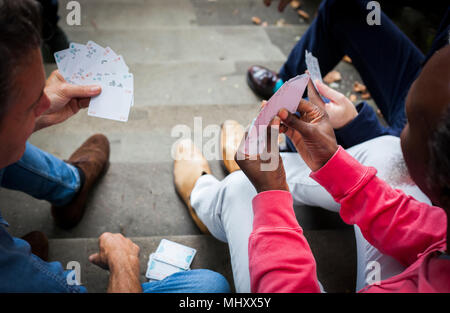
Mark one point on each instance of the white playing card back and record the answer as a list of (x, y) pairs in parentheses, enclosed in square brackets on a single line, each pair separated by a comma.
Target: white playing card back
[(175, 254), (158, 270)]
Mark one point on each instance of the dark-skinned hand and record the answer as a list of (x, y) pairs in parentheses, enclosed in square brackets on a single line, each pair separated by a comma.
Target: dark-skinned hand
[(312, 133), (265, 171)]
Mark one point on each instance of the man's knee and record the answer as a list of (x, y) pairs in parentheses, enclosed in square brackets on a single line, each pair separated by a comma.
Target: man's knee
[(208, 281), (238, 183)]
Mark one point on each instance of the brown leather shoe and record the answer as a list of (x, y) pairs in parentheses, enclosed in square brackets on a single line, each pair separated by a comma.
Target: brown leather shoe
[(39, 244), (188, 167), (262, 81), (93, 159), (231, 136)]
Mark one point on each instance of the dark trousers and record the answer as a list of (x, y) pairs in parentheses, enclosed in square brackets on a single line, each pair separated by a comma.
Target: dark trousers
[(386, 59)]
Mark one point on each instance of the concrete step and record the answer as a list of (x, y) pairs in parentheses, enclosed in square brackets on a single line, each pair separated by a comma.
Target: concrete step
[(147, 136), (334, 252), (168, 45), (139, 14), (136, 199)]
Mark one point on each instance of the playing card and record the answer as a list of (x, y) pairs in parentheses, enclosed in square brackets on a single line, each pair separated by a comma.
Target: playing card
[(113, 103), (158, 270), (287, 97), (312, 64), (91, 64), (175, 254)]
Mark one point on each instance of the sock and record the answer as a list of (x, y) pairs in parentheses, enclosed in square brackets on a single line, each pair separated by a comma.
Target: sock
[(278, 85), (82, 176)]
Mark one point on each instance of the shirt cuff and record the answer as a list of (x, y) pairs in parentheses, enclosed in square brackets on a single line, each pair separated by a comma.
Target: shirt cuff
[(274, 209), (342, 174), (363, 127)]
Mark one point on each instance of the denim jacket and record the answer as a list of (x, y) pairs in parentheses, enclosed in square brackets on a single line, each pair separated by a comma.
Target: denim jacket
[(21, 271)]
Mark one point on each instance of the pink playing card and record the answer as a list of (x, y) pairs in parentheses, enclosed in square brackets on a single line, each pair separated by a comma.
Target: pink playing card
[(287, 97)]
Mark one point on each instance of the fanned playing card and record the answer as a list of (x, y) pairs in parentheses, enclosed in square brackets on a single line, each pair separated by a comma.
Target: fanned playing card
[(312, 64), (91, 64), (287, 97)]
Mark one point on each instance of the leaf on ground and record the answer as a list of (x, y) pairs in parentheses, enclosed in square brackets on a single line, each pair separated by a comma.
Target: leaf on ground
[(265, 24), (296, 4), (366, 96), (358, 87), (303, 14), (347, 59), (332, 77), (281, 22), (256, 20), (353, 97)]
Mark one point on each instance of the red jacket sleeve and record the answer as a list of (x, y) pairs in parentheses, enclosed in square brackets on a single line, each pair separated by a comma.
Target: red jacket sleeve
[(280, 258), (394, 223)]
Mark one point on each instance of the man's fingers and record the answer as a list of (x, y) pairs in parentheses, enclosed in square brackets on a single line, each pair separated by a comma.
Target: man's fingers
[(96, 259), (75, 91), (328, 92), (306, 107), (292, 120), (272, 134), (84, 103), (313, 96)]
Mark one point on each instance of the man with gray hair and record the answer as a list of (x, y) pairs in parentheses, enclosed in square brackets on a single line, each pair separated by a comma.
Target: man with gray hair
[(29, 103)]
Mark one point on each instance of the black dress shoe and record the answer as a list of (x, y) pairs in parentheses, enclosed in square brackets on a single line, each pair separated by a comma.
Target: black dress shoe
[(262, 81)]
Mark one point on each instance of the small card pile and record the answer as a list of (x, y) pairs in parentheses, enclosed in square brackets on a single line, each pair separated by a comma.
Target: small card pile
[(169, 258), (91, 64)]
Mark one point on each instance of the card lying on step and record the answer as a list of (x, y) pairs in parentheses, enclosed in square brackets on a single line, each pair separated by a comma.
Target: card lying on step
[(175, 254), (157, 270), (287, 97), (91, 64)]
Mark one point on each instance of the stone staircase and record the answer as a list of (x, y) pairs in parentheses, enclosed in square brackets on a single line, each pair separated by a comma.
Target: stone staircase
[(189, 58)]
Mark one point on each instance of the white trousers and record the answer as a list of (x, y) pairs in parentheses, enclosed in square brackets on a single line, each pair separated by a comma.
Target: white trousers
[(225, 207)]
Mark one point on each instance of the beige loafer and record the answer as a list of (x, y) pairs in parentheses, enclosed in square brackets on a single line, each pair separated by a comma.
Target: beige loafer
[(188, 167), (230, 138)]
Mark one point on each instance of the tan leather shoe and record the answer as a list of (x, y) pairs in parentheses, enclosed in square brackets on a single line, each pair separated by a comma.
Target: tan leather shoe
[(93, 159), (231, 136), (188, 167)]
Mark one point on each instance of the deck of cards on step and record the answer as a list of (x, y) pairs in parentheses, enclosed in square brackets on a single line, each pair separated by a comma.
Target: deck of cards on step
[(91, 64), (169, 258)]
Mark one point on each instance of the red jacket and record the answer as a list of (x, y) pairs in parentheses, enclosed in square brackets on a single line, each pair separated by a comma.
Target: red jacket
[(412, 232)]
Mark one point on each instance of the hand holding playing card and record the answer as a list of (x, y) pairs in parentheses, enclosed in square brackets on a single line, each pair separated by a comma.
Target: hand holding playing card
[(340, 109), (311, 133), (92, 64), (265, 171), (65, 100)]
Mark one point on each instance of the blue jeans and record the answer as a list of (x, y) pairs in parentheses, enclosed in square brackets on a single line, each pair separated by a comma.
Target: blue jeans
[(42, 176), (386, 59), (194, 281), (46, 177)]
